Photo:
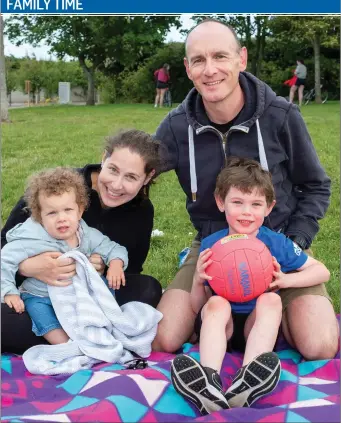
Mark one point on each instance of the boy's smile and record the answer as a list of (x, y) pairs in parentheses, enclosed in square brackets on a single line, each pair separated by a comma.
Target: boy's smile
[(245, 212)]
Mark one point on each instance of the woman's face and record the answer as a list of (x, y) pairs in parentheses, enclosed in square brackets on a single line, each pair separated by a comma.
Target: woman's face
[(121, 178)]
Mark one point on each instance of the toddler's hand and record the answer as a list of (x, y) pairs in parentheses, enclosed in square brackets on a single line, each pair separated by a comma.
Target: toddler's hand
[(115, 274), (14, 301)]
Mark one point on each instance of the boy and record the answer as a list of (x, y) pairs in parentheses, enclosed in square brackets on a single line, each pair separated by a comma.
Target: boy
[(244, 192), (57, 199)]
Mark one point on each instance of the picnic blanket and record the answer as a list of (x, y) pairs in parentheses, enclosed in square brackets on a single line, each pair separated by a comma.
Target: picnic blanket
[(108, 333), (307, 392)]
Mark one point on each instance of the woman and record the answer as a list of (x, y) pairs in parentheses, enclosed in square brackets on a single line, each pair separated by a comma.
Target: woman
[(162, 77), (301, 74), (119, 208)]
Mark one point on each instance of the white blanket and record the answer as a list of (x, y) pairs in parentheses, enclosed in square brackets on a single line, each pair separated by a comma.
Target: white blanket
[(98, 328)]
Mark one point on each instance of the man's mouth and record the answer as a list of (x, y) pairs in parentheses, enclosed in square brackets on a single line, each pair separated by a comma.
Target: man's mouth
[(210, 84)]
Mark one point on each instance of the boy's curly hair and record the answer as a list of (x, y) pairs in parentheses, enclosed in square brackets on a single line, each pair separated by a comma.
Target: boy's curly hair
[(54, 181)]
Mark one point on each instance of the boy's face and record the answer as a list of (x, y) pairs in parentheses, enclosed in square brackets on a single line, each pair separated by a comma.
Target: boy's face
[(60, 215), (244, 213)]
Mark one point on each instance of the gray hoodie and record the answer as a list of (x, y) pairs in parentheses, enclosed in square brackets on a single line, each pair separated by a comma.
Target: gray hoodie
[(29, 239)]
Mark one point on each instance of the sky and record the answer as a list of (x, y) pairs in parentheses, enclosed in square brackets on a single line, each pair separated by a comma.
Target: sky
[(42, 51)]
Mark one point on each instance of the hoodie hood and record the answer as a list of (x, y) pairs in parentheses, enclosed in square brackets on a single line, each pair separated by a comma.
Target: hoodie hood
[(257, 95), (30, 230)]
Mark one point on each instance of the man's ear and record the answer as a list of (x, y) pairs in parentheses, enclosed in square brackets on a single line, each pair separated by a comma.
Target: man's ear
[(220, 203), (243, 59), (269, 208), (187, 68)]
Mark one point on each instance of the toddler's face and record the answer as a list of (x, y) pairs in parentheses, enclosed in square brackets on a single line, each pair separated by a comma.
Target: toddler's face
[(60, 215), (245, 212)]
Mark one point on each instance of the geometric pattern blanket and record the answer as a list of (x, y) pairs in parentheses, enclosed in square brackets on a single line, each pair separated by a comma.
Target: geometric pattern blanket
[(306, 392)]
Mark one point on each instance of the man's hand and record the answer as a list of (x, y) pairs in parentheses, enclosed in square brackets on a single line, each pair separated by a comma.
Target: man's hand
[(14, 301), (115, 274), (98, 263), (200, 275), (48, 268)]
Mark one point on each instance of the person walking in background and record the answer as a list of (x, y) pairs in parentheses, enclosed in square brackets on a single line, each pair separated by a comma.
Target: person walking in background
[(162, 77), (301, 74)]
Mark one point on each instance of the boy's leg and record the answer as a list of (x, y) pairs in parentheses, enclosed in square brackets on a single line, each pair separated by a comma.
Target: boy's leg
[(216, 329), (261, 327), (200, 383), (261, 367), (177, 323)]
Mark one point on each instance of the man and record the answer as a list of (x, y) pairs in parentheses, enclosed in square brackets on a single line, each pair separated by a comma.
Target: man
[(301, 73), (230, 112)]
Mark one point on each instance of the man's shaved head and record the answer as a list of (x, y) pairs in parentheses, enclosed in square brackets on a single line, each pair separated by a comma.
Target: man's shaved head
[(210, 22)]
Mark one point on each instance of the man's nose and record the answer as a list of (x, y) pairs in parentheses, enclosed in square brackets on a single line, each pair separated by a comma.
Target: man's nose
[(210, 68)]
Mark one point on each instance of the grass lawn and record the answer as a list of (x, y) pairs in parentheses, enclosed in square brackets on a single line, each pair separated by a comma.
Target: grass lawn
[(73, 136)]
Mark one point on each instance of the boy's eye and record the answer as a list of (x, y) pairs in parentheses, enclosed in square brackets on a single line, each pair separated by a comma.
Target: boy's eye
[(257, 204), (51, 213), (237, 202), (68, 209)]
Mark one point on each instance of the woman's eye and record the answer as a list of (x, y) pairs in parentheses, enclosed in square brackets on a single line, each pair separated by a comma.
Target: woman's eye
[(131, 178)]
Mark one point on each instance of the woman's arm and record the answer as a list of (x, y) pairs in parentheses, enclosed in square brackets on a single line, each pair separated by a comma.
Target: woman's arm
[(19, 214)]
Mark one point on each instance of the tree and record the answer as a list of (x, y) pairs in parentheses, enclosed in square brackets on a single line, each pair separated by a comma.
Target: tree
[(3, 89), (318, 31), (98, 42)]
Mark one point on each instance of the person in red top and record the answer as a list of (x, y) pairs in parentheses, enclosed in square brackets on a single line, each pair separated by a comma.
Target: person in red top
[(162, 77)]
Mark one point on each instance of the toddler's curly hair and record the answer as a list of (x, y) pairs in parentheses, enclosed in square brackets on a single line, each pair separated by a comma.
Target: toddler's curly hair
[(54, 181)]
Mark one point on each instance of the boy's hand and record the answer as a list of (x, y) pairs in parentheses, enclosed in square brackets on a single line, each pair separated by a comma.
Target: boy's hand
[(115, 274), (203, 262), (279, 281), (14, 301)]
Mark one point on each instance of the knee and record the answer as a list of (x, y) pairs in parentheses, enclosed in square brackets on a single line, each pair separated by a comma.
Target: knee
[(152, 291), (324, 346), (218, 306), (269, 301)]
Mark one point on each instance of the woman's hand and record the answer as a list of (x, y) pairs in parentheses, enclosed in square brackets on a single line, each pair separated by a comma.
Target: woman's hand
[(115, 274), (98, 263), (14, 301), (48, 268)]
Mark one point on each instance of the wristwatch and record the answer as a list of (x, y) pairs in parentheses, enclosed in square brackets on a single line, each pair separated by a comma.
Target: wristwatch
[(300, 241)]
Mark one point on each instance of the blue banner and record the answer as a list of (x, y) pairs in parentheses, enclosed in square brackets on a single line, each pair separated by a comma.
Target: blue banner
[(168, 7)]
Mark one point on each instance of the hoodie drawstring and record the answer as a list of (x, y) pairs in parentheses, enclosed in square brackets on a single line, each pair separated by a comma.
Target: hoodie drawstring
[(261, 149), (193, 174), (191, 151)]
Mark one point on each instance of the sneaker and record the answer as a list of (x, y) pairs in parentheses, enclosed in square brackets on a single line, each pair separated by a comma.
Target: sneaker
[(200, 385), (254, 380)]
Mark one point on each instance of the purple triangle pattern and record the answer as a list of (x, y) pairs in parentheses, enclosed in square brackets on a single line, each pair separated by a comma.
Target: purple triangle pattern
[(309, 391)]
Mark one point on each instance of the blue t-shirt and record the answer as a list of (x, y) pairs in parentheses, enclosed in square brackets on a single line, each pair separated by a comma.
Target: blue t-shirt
[(288, 254)]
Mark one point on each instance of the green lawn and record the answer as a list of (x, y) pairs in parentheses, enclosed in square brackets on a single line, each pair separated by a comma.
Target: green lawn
[(72, 135)]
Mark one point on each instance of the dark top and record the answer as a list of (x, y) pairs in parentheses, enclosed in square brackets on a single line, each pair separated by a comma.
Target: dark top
[(130, 224), (301, 185)]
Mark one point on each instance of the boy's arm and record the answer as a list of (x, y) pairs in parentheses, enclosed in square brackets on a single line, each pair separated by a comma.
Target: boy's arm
[(199, 295), (12, 254), (107, 249), (311, 273)]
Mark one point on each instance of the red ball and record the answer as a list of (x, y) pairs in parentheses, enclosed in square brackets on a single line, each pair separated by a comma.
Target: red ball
[(242, 268)]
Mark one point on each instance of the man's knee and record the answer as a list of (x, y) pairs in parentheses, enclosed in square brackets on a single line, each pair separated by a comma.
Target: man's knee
[(313, 326), (177, 323)]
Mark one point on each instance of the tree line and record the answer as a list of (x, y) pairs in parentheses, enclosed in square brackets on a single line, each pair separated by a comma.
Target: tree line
[(118, 55)]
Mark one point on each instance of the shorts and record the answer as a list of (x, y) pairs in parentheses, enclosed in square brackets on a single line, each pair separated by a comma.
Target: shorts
[(161, 85), (299, 82), (237, 341), (184, 279), (41, 312)]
